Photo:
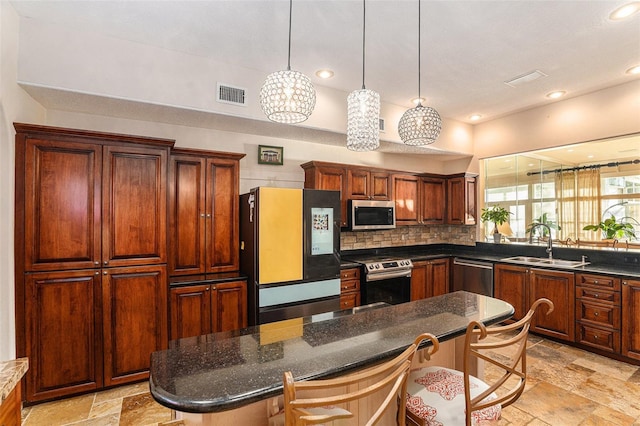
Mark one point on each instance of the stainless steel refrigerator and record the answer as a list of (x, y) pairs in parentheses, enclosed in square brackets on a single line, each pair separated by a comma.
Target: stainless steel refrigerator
[(290, 252)]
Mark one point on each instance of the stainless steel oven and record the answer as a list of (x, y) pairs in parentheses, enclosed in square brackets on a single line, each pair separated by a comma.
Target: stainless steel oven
[(386, 280)]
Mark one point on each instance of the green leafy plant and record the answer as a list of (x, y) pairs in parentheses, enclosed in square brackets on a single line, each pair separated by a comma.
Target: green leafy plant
[(613, 229), (496, 214), (544, 219)]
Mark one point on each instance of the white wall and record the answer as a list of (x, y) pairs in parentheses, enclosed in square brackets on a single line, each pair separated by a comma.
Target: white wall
[(15, 105)]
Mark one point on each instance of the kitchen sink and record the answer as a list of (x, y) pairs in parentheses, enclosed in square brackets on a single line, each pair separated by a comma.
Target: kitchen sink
[(558, 263)]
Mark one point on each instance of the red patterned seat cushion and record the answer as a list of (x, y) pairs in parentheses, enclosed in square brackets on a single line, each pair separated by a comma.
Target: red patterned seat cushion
[(436, 395)]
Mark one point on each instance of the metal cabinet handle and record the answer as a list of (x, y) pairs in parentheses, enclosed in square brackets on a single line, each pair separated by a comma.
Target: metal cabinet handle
[(596, 313)]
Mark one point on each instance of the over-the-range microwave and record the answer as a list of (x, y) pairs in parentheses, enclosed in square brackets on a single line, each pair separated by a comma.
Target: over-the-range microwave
[(371, 214)]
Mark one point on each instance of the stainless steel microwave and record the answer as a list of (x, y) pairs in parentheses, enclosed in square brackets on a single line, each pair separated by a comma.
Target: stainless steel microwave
[(372, 214)]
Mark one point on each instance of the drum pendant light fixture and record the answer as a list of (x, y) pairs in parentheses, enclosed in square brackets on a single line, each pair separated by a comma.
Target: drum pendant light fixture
[(420, 125), (288, 96), (363, 110)]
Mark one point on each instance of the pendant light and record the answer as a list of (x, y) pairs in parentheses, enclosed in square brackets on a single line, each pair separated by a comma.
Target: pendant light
[(420, 125), (288, 96), (363, 110)]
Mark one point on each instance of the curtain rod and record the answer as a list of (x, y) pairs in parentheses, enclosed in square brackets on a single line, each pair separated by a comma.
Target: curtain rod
[(593, 166)]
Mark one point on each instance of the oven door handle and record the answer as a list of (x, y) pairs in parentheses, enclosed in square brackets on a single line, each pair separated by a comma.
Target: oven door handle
[(388, 275)]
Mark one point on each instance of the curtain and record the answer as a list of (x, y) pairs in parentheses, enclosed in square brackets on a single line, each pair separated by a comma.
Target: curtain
[(565, 184), (588, 198)]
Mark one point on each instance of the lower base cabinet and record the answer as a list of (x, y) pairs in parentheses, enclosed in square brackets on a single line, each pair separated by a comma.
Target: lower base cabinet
[(208, 308), (349, 288), (88, 329), (430, 278), (630, 314), (10, 409)]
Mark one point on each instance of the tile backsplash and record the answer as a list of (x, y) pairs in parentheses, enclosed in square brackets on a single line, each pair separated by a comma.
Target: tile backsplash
[(409, 236)]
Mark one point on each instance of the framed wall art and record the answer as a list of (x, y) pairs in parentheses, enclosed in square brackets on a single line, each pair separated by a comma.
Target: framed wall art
[(270, 155)]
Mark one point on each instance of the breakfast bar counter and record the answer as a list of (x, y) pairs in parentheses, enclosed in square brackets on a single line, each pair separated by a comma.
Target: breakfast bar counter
[(224, 371)]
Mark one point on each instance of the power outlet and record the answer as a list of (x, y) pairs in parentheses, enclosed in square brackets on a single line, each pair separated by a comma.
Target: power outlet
[(635, 260)]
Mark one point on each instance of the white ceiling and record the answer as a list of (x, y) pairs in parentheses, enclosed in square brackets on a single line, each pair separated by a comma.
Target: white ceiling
[(469, 48)]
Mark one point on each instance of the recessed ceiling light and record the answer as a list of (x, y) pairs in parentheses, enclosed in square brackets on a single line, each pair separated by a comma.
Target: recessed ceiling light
[(417, 101), (570, 150), (634, 70), (324, 73), (625, 11), (475, 117), (531, 164), (557, 94), (590, 156)]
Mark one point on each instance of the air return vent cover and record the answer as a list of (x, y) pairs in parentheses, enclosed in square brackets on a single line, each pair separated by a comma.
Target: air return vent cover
[(381, 124), (231, 95), (525, 78)]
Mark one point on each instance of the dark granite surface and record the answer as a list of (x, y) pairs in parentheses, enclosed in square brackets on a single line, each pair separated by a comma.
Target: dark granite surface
[(614, 262), (222, 371)]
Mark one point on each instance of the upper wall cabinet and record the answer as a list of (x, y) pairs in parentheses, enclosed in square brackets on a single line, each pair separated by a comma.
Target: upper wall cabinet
[(461, 200), (365, 184), (329, 176), (203, 212)]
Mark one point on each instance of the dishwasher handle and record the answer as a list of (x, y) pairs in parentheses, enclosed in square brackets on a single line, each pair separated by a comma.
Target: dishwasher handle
[(472, 263)]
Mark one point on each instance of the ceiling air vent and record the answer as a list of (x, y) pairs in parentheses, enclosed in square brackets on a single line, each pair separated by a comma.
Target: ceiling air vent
[(231, 95), (525, 78), (381, 124)]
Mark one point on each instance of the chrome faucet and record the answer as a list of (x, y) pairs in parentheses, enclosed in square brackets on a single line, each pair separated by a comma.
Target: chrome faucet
[(550, 243)]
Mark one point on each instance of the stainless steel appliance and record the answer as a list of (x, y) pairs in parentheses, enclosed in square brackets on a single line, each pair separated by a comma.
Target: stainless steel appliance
[(372, 214), (386, 280), (473, 276), (289, 250)]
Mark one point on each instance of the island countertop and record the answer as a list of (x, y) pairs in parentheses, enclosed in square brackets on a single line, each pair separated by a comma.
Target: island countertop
[(222, 371)]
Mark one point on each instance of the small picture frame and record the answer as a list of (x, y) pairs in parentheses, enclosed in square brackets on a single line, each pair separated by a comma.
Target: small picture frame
[(270, 155)]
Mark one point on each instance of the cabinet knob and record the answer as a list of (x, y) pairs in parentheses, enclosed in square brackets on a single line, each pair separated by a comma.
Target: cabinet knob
[(207, 289), (595, 337), (104, 272), (97, 263), (106, 262), (201, 214), (624, 283), (596, 313), (596, 282), (595, 295), (208, 215), (97, 273)]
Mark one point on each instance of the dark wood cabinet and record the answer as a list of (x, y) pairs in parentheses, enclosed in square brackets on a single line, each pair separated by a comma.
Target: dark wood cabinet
[(430, 278), (208, 308), (365, 184), (135, 324), (349, 288), (405, 194), (328, 176), (63, 332), (91, 252), (598, 311), (203, 212), (521, 286), (432, 196), (461, 200), (10, 410), (630, 313)]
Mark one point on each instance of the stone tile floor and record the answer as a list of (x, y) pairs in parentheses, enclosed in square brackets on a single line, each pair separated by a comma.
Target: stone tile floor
[(565, 386)]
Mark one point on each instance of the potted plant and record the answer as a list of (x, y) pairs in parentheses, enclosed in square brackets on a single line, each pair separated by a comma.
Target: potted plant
[(544, 219), (498, 215), (613, 229)]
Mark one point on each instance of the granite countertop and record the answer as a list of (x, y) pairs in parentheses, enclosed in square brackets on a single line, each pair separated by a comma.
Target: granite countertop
[(11, 373), (222, 371), (611, 262)]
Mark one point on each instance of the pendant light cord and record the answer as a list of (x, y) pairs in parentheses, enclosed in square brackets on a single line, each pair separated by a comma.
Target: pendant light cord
[(419, 23), (364, 26), (289, 54)]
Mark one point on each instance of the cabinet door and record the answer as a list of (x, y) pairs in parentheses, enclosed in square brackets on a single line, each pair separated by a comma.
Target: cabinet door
[(510, 285), (559, 287), (439, 276), (405, 194), (432, 200), (134, 196), (461, 201), (229, 306), (222, 216), (186, 215), (62, 196), (359, 183), (190, 311), (135, 320), (63, 322), (419, 281), (630, 315), (331, 178), (380, 187)]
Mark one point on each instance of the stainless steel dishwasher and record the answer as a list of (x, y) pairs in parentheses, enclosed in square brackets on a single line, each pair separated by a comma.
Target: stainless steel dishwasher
[(473, 275)]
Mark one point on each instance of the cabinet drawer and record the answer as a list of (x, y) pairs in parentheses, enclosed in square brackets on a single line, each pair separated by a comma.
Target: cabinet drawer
[(349, 300), (350, 274), (604, 315), (607, 340), (598, 295), (347, 286), (598, 281)]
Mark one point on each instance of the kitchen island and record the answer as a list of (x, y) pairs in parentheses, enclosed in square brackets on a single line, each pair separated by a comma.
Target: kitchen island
[(238, 375)]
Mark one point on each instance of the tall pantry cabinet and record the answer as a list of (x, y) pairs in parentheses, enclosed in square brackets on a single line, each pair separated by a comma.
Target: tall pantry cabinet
[(91, 253)]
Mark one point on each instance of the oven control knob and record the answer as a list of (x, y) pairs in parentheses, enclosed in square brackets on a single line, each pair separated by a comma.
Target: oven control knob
[(370, 266), (377, 266)]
